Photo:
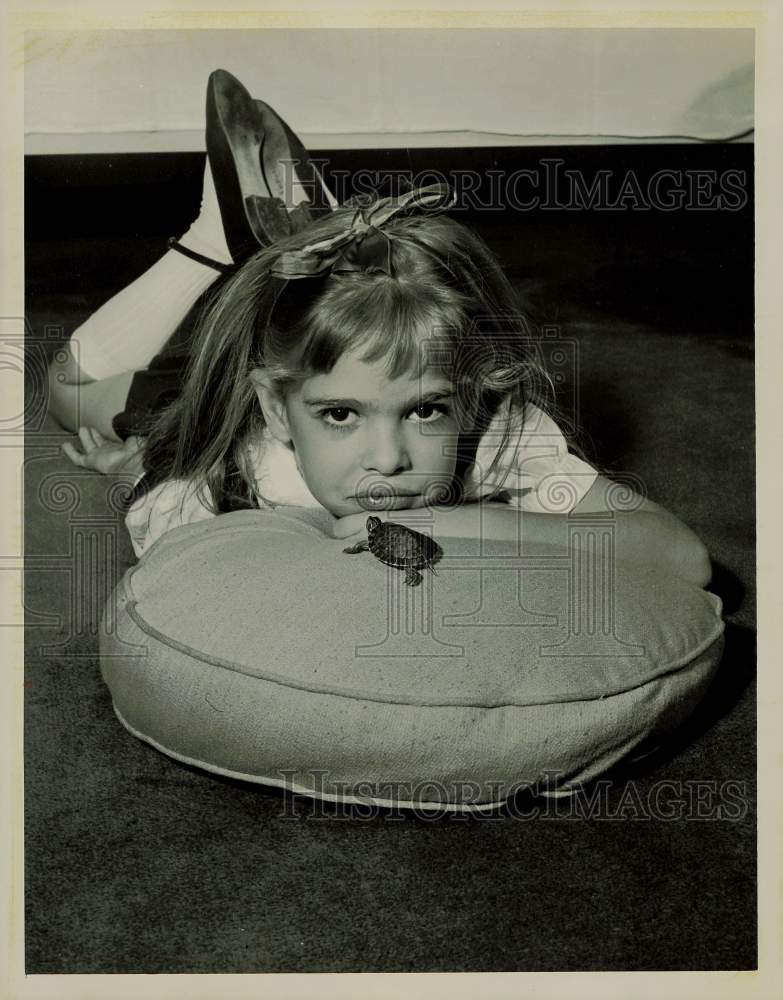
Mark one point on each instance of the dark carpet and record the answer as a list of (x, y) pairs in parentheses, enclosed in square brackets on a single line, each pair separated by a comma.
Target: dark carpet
[(136, 864)]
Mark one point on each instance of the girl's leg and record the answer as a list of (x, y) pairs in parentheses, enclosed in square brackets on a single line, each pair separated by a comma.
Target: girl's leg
[(89, 380), (92, 404), (90, 383)]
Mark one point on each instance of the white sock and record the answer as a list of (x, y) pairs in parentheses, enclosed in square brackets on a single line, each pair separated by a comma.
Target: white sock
[(206, 235), (127, 332)]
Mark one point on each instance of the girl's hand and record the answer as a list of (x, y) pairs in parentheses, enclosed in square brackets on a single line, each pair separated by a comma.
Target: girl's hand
[(105, 456)]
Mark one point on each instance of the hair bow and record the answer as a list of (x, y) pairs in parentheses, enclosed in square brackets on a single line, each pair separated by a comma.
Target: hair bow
[(362, 245)]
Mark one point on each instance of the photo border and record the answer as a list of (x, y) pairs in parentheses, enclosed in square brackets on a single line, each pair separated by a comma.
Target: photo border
[(766, 19)]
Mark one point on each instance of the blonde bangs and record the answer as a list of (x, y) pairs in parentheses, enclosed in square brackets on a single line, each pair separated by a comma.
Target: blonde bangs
[(380, 320)]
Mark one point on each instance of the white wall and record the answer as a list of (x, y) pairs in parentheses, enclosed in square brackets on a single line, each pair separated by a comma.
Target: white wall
[(144, 90)]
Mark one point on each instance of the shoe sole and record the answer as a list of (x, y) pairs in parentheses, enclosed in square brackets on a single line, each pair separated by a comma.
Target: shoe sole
[(235, 138)]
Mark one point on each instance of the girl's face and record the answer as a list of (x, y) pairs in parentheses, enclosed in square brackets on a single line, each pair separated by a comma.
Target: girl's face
[(363, 441)]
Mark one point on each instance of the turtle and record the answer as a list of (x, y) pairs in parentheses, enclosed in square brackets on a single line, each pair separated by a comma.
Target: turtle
[(399, 546)]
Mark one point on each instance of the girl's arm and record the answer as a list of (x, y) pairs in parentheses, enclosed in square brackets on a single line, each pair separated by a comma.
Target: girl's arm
[(644, 532), (647, 534)]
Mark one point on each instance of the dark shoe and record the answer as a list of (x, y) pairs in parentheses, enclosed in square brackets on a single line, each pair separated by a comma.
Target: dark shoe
[(282, 157), (235, 135)]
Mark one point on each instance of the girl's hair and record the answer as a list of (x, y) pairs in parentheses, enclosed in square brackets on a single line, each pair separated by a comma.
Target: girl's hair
[(445, 285)]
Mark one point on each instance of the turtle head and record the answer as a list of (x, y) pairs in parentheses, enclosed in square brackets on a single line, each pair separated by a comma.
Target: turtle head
[(373, 523)]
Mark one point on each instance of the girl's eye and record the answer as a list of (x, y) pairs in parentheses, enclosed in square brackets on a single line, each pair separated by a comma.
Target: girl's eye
[(338, 416), (428, 413)]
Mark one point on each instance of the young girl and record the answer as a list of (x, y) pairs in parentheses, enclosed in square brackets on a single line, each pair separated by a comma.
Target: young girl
[(376, 360)]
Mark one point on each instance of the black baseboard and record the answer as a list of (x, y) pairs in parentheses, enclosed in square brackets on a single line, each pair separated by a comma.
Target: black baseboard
[(662, 232)]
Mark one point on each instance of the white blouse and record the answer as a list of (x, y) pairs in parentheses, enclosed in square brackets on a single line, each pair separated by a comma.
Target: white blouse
[(535, 470)]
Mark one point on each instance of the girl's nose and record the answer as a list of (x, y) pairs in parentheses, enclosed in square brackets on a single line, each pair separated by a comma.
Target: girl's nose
[(386, 452)]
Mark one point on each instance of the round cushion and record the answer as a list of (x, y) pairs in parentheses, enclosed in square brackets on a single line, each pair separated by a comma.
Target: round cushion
[(252, 646)]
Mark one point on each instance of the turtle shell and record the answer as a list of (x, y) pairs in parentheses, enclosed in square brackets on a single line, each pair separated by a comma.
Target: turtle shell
[(400, 546)]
